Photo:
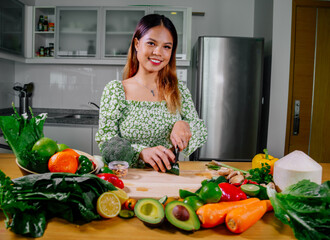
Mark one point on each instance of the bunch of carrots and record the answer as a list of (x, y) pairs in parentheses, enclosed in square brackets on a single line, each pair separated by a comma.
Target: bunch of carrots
[(238, 215)]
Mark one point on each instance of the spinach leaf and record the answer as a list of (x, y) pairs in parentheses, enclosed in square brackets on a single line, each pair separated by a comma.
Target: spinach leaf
[(32, 199), (305, 206)]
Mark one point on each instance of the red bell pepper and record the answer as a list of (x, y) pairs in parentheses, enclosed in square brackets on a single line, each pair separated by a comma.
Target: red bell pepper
[(112, 178), (231, 193)]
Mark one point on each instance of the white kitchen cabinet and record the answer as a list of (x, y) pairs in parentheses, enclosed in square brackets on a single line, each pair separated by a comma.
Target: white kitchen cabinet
[(119, 28), (78, 33), (181, 18), (102, 35), (75, 137), (44, 37), (96, 150)]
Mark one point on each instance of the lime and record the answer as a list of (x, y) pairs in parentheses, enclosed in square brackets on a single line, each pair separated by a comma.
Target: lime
[(45, 147), (210, 193), (61, 147), (250, 189), (194, 202)]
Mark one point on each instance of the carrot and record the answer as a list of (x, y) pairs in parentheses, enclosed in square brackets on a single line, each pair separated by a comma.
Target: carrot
[(240, 219), (213, 214)]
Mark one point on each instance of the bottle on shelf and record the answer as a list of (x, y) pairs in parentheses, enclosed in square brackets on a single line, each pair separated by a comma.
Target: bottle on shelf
[(45, 23), (40, 26), (91, 48)]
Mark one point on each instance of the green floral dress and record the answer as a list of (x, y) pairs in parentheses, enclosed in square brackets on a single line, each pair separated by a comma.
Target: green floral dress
[(146, 124)]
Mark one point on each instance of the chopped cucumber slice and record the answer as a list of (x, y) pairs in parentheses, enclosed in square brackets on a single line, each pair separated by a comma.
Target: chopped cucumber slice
[(250, 189), (126, 213), (163, 199)]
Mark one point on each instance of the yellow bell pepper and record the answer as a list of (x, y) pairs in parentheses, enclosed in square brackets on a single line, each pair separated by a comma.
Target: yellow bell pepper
[(264, 158)]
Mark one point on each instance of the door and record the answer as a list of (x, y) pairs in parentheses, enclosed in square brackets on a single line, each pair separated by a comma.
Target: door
[(308, 116)]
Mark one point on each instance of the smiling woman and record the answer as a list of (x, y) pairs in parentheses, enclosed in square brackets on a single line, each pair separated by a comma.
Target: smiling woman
[(150, 108)]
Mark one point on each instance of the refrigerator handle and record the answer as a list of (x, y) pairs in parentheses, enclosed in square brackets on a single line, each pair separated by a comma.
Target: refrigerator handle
[(296, 120)]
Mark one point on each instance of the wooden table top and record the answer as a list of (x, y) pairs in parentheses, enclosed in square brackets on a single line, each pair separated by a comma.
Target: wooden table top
[(269, 227)]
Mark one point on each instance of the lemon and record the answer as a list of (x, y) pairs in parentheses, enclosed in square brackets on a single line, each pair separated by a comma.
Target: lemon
[(121, 194), (108, 205)]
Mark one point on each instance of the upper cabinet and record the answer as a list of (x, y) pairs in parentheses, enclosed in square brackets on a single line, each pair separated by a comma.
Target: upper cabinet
[(100, 34), (44, 32), (12, 26), (78, 33), (119, 28)]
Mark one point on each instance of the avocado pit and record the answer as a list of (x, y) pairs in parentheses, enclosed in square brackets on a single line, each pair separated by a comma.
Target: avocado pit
[(181, 213)]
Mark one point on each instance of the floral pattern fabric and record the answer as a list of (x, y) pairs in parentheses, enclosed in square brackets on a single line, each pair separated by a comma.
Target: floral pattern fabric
[(144, 123)]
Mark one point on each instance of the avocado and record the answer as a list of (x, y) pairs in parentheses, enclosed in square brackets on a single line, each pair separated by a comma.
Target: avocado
[(150, 212), (182, 216)]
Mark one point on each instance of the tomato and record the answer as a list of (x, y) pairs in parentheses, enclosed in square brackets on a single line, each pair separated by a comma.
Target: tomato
[(112, 178), (129, 204)]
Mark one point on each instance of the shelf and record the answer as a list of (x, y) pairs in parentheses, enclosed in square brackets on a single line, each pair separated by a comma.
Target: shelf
[(82, 60), (77, 32), (44, 32)]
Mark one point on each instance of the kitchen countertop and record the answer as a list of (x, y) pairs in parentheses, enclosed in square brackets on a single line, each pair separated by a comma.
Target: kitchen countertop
[(62, 117), (268, 227)]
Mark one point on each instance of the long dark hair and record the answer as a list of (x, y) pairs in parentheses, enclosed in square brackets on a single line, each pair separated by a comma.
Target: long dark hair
[(168, 85)]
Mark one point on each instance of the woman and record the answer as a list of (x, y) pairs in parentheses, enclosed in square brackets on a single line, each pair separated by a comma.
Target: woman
[(150, 108)]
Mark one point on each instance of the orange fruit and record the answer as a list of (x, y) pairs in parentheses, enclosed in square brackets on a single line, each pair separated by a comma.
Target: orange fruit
[(63, 162), (72, 152)]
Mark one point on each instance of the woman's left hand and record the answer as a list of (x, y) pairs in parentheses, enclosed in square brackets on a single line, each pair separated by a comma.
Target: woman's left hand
[(180, 134)]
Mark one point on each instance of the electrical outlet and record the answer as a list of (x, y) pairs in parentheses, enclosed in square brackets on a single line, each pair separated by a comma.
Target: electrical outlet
[(182, 74)]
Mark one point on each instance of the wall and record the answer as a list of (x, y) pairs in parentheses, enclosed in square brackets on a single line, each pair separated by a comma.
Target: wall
[(280, 76), (7, 79)]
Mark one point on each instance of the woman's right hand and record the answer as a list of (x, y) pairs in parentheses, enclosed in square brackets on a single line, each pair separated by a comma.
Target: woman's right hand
[(157, 157)]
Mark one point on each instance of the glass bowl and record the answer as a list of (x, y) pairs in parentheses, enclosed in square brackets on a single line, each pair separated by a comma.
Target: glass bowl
[(119, 168)]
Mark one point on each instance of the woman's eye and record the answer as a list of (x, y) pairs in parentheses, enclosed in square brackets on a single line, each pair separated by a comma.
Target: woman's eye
[(168, 47), (150, 43)]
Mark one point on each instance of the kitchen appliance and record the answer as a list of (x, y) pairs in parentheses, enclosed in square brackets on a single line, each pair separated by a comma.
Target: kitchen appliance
[(227, 92), (25, 96)]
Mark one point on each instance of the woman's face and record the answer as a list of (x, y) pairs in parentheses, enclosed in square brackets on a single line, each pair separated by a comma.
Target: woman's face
[(154, 49)]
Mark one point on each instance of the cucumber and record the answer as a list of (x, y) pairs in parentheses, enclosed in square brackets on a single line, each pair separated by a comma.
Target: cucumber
[(163, 199), (126, 213), (250, 189)]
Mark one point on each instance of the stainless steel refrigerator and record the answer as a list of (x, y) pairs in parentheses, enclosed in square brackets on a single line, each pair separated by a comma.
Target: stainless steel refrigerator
[(228, 96)]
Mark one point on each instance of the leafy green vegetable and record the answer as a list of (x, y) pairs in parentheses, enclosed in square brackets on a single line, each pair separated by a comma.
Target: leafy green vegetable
[(118, 149), (30, 200), (21, 133), (305, 206), (261, 175)]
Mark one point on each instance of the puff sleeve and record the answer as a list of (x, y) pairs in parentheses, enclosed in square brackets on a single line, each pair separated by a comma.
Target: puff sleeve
[(197, 125)]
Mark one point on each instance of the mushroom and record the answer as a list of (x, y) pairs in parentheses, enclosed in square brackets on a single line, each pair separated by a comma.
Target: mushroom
[(224, 171), (236, 179)]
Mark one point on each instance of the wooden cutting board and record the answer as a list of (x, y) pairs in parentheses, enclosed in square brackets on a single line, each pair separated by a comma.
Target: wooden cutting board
[(147, 183)]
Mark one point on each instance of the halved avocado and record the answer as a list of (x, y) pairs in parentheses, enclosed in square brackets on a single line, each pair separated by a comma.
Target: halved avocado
[(182, 216), (150, 212)]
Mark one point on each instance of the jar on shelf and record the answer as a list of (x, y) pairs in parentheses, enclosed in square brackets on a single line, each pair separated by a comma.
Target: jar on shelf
[(41, 51), (51, 49), (51, 27)]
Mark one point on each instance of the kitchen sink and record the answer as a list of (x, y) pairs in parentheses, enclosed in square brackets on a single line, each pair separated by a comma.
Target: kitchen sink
[(80, 116), (74, 116)]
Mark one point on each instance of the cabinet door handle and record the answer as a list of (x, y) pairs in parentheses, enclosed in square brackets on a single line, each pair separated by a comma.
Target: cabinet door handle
[(296, 120)]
